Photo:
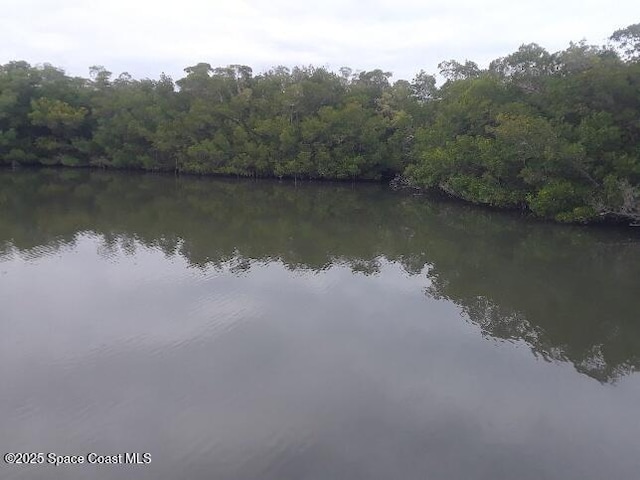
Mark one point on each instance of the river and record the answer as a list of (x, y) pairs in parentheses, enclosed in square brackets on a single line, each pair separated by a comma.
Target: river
[(266, 330)]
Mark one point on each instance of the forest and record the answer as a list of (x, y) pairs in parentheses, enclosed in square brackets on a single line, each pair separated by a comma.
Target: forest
[(556, 135)]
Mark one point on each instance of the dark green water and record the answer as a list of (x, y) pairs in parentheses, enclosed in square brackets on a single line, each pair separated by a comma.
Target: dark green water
[(241, 330)]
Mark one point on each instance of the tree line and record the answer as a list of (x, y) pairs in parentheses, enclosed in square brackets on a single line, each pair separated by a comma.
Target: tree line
[(556, 134)]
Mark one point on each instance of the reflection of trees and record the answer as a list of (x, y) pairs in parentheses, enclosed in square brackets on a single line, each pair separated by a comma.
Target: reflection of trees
[(569, 292)]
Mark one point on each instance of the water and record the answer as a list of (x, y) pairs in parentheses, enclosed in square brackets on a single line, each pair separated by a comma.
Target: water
[(243, 330)]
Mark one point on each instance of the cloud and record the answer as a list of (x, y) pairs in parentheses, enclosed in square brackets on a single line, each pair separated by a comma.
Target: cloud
[(148, 37)]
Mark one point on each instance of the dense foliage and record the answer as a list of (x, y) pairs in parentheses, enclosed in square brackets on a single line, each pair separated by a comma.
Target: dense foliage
[(556, 134)]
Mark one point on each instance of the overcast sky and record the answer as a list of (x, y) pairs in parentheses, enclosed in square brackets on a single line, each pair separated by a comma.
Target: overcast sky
[(146, 37)]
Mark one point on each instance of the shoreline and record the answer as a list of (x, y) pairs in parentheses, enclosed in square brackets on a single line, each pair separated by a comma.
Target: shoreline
[(398, 183)]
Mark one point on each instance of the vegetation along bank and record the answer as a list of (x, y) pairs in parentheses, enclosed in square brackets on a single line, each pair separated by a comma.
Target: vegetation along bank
[(557, 134)]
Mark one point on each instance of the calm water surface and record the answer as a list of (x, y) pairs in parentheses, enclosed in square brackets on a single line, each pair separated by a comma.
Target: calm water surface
[(241, 330)]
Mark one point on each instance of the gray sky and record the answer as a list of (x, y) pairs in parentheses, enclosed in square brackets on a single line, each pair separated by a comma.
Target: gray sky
[(146, 37)]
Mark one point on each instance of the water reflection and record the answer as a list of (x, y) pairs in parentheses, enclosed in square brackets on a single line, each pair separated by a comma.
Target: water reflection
[(570, 293)]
